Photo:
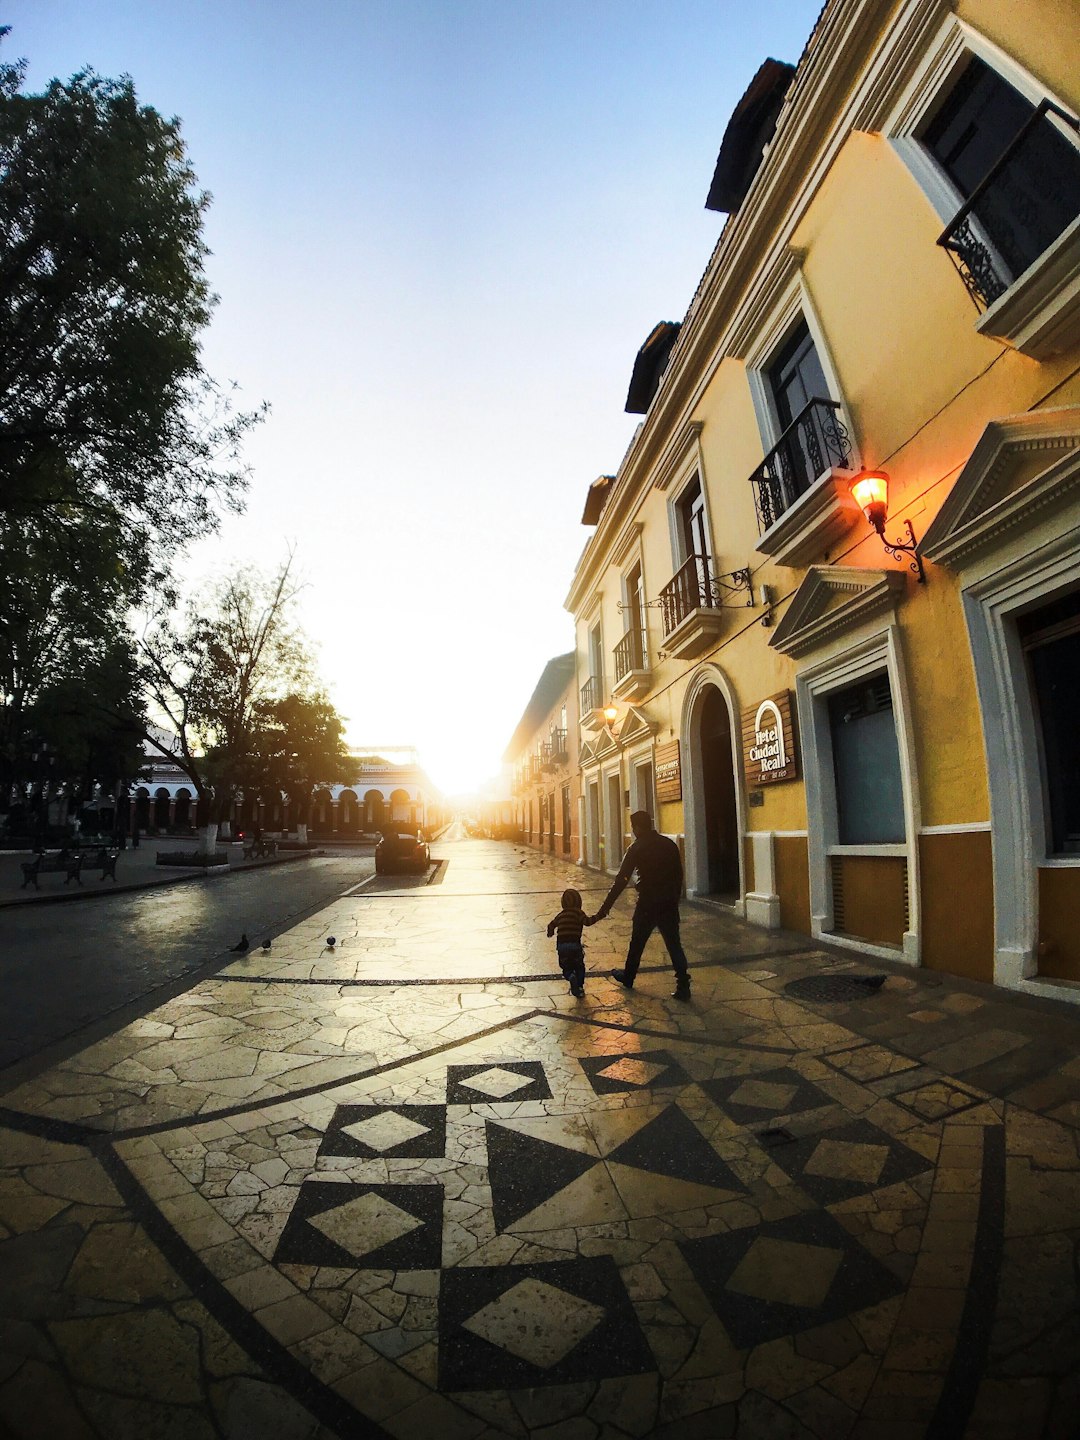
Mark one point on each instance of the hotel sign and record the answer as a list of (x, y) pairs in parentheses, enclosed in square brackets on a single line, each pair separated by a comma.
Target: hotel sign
[(668, 773), (768, 737)]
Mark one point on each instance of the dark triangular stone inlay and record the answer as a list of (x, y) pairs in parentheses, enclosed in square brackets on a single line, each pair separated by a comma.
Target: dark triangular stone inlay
[(524, 1172), (673, 1145)]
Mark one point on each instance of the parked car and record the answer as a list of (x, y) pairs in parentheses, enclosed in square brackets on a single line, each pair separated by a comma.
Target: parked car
[(402, 848)]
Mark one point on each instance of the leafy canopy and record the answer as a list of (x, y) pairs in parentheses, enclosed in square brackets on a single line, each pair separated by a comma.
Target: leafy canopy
[(105, 407)]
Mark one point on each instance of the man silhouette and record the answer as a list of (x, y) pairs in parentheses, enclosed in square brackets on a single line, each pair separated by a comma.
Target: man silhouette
[(660, 878)]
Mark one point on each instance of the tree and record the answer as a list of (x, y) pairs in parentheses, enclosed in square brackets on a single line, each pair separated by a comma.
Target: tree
[(116, 446), (62, 627), (215, 676), (106, 410), (299, 743)]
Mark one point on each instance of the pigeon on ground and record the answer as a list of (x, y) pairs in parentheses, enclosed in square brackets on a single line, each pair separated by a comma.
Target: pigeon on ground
[(331, 941), (266, 944), (240, 946)]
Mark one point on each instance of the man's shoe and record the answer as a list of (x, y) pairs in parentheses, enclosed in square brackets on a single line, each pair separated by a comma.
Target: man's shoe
[(621, 977), (577, 990), (682, 989)]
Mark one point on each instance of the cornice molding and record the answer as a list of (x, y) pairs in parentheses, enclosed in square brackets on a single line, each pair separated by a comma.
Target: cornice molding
[(835, 600), (636, 725), (677, 452), (626, 543), (986, 505)]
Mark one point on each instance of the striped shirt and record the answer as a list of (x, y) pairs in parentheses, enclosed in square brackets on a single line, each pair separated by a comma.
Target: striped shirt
[(567, 926)]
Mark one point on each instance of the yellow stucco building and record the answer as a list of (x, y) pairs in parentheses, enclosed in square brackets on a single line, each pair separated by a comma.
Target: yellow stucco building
[(868, 744)]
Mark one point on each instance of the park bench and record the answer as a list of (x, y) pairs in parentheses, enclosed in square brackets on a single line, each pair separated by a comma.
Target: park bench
[(56, 861), (261, 848)]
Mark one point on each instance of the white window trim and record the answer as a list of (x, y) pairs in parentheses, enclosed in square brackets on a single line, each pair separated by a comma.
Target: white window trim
[(590, 840), (992, 597), (637, 558), (692, 468), (881, 650), (1035, 314), (793, 306), (643, 754), (607, 774)]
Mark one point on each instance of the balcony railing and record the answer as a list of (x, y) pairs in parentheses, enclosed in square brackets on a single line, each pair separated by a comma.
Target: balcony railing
[(591, 698), (1017, 210), (629, 654), (693, 587), (557, 744), (814, 442)]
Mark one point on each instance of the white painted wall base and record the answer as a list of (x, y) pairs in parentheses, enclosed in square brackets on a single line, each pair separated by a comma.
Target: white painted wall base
[(763, 910)]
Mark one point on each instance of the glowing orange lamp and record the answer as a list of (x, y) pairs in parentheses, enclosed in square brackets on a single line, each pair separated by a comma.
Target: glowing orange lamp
[(871, 491), (611, 714)]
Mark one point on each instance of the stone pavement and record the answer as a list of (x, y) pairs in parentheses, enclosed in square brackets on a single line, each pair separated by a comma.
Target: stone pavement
[(408, 1186)]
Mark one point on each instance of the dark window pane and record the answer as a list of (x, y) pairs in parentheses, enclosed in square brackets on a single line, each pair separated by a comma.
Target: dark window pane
[(796, 376), (1053, 637), (866, 765), (1036, 194)]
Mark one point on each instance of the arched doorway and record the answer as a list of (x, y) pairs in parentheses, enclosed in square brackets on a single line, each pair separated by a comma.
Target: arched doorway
[(142, 808), (183, 809), (347, 812), (401, 805), (718, 783), (322, 812), (373, 810), (711, 791), (161, 809)]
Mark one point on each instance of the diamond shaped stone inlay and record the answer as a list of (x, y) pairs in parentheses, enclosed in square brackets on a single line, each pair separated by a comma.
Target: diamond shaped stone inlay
[(763, 1095), (497, 1082), (536, 1322), (365, 1224), (632, 1072), (385, 1131), (786, 1272), (845, 1160)]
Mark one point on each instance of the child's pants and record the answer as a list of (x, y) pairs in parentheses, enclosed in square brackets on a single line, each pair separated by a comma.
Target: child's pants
[(572, 961)]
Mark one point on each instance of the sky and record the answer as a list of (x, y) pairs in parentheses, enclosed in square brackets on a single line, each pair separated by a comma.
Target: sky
[(440, 231)]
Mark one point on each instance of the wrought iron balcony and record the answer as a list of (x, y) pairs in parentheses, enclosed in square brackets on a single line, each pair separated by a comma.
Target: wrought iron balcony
[(591, 696), (629, 654), (815, 442), (691, 588), (1017, 210), (557, 744)]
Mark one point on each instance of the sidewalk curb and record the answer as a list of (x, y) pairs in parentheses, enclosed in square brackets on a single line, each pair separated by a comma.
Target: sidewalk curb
[(214, 873)]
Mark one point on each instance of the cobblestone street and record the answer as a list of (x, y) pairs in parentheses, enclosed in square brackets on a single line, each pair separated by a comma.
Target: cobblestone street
[(407, 1185)]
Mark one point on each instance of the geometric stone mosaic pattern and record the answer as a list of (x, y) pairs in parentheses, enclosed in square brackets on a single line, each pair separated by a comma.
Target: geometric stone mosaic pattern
[(765, 1097), (786, 1276), (641, 1070), (472, 1084), (375, 1226), (847, 1161), (302, 1198), (383, 1131), (528, 1325)]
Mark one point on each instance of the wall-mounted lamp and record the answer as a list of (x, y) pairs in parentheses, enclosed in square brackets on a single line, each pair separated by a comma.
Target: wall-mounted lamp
[(871, 491), (611, 714)]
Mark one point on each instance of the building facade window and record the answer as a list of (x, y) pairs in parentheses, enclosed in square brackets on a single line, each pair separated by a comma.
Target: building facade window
[(1015, 166), (634, 591), (1051, 639), (866, 764)]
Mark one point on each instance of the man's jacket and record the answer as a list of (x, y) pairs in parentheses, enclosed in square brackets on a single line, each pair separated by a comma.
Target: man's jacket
[(659, 870)]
